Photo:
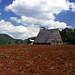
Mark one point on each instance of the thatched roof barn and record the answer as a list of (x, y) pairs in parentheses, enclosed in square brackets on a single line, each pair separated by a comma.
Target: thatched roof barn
[(48, 36)]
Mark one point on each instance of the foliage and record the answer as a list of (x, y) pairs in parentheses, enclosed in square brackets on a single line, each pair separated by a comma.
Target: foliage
[(5, 56), (68, 35), (11, 62), (6, 39), (21, 72), (19, 41), (40, 55)]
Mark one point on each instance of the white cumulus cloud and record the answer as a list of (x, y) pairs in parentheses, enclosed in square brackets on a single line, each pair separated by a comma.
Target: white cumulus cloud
[(44, 9), (19, 32), (49, 23), (72, 5)]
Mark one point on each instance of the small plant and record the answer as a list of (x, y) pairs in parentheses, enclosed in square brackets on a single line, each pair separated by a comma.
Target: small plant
[(2, 52), (22, 51), (50, 71), (27, 61), (10, 54), (70, 71), (16, 50), (11, 62), (23, 57), (35, 56), (61, 59), (44, 52), (18, 54), (5, 50), (21, 72), (40, 55), (5, 56), (27, 51), (18, 57), (54, 56)]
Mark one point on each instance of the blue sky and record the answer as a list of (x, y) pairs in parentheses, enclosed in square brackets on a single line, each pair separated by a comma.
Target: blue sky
[(22, 19)]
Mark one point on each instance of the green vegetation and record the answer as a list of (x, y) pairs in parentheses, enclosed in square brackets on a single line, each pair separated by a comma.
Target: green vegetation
[(36, 57), (6, 39), (11, 62), (68, 35), (19, 41), (18, 57), (40, 55), (5, 56), (21, 72)]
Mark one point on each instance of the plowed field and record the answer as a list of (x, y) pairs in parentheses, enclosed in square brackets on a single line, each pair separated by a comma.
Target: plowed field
[(37, 60)]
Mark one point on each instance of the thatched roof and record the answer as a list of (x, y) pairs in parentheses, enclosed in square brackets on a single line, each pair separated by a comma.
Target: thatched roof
[(47, 35)]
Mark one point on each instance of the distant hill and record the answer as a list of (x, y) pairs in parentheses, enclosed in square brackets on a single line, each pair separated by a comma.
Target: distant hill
[(19, 41), (6, 39)]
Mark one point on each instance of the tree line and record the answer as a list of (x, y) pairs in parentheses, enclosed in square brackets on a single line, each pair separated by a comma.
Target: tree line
[(68, 35)]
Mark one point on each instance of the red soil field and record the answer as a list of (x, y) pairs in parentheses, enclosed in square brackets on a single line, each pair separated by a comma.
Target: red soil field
[(37, 60)]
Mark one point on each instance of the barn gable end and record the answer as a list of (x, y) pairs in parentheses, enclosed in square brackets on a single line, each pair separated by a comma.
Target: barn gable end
[(48, 36)]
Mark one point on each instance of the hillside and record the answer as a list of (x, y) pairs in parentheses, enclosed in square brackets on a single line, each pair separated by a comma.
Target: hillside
[(6, 39)]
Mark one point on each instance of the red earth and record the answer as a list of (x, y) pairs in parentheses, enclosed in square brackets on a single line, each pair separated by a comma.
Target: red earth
[(37, 60)]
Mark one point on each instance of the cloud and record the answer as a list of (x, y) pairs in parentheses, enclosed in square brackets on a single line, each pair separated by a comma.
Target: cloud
[(0, 13), (39, 11), (42, 9), (19, 32), (0, 1), (48, 23), (35, 13), (72, 5)]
